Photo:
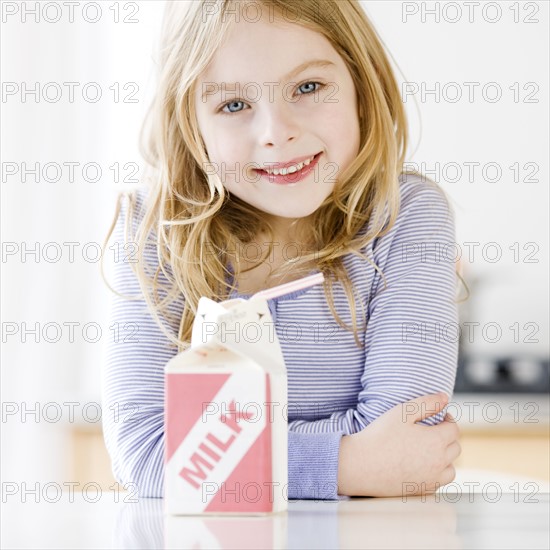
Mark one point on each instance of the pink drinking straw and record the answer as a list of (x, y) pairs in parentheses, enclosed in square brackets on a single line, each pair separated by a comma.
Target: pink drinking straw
[(293, 286)]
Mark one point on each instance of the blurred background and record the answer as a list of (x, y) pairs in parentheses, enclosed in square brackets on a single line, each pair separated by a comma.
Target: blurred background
[(476, 89)]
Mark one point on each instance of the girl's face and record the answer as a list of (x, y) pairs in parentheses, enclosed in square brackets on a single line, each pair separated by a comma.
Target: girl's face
[(255, 110)]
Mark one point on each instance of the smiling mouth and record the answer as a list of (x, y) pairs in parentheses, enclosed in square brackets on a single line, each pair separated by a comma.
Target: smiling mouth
[(290, 175), (288, 169)]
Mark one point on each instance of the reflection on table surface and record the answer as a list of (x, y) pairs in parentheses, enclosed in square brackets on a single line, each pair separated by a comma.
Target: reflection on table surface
[(473, 521), (451, 520)]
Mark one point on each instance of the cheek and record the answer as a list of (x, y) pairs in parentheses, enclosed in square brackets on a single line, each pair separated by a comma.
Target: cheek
[(217, 138), (227, 157), (341, 132), (225, 148), (339, 116)]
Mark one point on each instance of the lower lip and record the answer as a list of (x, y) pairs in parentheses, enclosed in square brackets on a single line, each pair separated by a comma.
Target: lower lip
[(289, 179)]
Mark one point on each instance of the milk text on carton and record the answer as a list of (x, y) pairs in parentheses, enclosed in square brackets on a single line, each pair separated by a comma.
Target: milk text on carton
[(230, 420)]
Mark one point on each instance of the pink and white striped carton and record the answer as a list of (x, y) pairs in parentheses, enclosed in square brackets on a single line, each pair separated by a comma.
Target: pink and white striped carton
[(226, 436)]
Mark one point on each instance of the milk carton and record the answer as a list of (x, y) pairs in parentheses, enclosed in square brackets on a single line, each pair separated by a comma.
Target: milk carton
[(226, 396)]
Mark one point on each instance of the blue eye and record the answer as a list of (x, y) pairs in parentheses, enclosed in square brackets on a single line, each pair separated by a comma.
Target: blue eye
[(233, 103), (313, 85)]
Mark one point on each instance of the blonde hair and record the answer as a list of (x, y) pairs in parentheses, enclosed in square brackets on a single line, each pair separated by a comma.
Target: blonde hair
[(189, 210)]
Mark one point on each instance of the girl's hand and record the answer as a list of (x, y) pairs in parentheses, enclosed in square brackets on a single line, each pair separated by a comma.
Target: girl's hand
[(393, 456)]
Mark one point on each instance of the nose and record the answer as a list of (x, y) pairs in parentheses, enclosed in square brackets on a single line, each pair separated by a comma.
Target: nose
[(278, 124)]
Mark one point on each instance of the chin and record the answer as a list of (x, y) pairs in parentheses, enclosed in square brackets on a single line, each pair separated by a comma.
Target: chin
[(293, 210), (292, 214)]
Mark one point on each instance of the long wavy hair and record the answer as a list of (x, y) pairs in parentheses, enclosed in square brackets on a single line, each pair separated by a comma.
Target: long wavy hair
[(195, 224)]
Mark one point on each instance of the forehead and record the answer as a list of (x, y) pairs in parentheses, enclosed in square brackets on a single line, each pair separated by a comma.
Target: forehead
[(264, 51)]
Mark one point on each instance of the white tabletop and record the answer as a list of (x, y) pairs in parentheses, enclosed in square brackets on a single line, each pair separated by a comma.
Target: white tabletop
[(448, 520)]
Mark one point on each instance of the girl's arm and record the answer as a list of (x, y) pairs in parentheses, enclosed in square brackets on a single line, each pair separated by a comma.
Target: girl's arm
[(411, 348), (397, 369), (133, 379)]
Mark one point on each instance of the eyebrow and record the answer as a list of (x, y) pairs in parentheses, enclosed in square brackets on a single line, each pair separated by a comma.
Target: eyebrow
[(314, 63)]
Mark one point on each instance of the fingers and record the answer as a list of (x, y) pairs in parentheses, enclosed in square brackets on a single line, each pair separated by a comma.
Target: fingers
[(456, 426), (448, 475), (423, 407), (452, 452), (448, 429), (449, 417)]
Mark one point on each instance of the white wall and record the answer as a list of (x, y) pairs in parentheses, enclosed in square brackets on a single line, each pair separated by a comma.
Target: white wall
[(505, 212), (104, 132), (483, 131)]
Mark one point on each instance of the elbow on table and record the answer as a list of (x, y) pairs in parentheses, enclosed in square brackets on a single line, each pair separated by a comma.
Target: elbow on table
[(138, 466)]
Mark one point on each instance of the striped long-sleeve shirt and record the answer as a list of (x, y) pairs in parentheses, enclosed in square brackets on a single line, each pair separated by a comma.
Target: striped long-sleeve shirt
[(334, 387)]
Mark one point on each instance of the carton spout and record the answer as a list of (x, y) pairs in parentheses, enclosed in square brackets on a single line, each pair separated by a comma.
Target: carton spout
[(205, 327)]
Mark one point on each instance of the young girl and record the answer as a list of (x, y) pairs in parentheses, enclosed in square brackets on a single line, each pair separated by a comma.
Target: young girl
[(276, 142)]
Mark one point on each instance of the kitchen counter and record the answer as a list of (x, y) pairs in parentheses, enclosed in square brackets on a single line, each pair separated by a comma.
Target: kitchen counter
[(492, 514)]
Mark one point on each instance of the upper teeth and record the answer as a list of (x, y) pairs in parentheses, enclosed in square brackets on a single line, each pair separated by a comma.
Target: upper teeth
[(289, 169)]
